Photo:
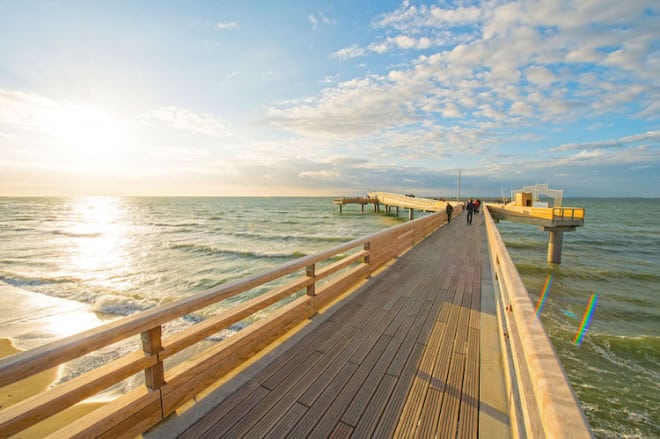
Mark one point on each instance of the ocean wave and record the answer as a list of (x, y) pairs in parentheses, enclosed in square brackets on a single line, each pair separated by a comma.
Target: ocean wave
[(288, 237), (519, 244), (77, 234), (594, 274), (175, 224), (638, 354), (20, 281), (213, 250), (120, 305)]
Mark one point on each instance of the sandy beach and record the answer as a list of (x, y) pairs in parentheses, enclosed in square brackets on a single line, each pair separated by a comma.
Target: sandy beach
[(29, 319)]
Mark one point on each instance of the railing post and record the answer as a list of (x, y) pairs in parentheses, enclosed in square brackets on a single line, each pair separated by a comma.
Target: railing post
[(367, 258), (154, 377), (310, 271)]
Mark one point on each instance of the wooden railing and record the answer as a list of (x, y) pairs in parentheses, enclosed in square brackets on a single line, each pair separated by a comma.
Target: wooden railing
[(305, 286), (541, 400)]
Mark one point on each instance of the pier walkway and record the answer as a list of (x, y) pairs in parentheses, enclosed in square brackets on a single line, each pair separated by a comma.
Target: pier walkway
[(401, 358), (424, 329)]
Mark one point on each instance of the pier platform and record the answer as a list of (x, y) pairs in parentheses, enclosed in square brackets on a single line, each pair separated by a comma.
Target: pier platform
[(402, 357)]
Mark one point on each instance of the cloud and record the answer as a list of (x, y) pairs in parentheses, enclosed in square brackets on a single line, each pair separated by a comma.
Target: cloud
[(25, 110), (352, 108), (317, 19), (189, 121), (227, 25), (650, 137), (540, 75), (353, 51), (411, 18), (504, 64)]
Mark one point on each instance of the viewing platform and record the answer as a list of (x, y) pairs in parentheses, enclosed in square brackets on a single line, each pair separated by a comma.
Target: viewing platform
[(554, 220), (421, 330)]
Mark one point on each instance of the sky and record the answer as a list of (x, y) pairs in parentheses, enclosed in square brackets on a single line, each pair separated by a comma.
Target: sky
[(329, 98)]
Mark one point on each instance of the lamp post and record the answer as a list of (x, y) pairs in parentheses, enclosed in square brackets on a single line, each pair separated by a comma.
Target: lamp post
[(458, 195)]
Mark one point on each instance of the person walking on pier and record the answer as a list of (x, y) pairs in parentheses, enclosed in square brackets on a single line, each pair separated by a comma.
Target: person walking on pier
[(449, 209), (470, 211)]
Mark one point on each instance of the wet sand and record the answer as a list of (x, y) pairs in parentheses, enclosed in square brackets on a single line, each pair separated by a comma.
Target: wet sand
[(27, 318)]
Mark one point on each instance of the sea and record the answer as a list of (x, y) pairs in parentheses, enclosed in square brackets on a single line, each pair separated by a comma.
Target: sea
[(119, 255)]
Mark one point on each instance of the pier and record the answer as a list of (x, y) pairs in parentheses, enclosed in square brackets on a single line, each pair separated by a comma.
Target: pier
[(394, 201), (423, 329)]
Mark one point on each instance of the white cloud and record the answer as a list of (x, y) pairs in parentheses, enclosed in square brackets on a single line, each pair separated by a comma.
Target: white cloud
[(189, 121), (228, 25), (349, 52), (514, 63), (317, 19), (25, 110), (650, 137), (540, 75)]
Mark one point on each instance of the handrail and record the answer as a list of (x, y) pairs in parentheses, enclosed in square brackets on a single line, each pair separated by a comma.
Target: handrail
[(542, 402), (568, 212), (339, 269)]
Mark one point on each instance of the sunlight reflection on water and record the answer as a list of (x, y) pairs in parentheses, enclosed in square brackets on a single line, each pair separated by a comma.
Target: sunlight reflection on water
[(99, 239)]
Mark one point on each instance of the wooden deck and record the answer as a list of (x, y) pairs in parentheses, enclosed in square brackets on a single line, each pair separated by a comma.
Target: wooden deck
[(401, 358)]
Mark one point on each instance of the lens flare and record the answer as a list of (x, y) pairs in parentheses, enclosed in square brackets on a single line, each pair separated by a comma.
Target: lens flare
[(586, 319), (544, 295)]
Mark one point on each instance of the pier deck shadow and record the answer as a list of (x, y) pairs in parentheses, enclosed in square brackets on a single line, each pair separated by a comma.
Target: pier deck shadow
[(400, 358)]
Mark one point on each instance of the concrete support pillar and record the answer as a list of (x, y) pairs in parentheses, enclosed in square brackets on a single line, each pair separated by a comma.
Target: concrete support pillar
[(361, 207), (397, 210), (555, 241), (340, 208), (410, 214), (554, 246)]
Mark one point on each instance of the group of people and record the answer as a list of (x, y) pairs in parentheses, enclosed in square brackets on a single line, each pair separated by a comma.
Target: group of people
[(471, 207)]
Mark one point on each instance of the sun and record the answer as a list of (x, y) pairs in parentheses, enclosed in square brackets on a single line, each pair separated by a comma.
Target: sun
[(87, 138)]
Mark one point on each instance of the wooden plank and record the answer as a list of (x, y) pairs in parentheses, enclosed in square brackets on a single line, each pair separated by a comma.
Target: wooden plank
[(371, 416), (261, 418), (311, 417), (452, 397), (468, 417), (390, 418), (288, 421), (341, 431), (333, 414), (368, 387), (428, 421), (216, 425), (421, 382)]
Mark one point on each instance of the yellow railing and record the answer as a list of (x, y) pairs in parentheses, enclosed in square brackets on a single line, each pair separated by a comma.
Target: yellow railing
[(572, 213), (309, 284), (540, 397)]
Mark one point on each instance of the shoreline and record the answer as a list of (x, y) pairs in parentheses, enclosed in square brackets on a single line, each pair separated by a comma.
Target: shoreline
[(32, 318)]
